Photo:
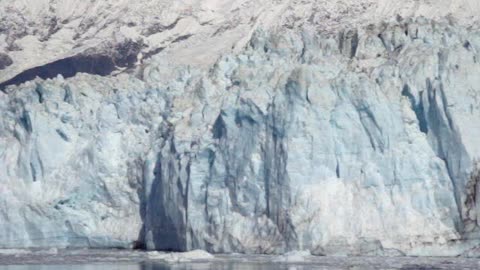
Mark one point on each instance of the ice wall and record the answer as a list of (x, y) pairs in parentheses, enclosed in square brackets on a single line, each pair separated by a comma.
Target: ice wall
[(358, 141)]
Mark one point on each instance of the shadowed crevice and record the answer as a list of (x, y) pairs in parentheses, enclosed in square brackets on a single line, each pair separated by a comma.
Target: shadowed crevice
[(417, 107), (68, 67), (166, 206), (103, 64)]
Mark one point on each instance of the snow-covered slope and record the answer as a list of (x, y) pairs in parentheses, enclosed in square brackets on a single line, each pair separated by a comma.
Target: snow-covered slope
[(338, 127), (35, 33)]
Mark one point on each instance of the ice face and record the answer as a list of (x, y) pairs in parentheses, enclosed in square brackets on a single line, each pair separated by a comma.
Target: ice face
[(352, 142)]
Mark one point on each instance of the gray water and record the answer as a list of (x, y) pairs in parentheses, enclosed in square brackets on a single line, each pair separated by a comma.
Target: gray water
[(149, 266), (208, 266), (136, 260), (225, 266)]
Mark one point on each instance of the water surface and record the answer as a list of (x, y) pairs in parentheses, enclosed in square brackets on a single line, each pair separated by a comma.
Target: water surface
[(136, 260)]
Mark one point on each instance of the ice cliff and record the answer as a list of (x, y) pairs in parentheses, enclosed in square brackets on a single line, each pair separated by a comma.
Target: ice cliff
[(304, 133)]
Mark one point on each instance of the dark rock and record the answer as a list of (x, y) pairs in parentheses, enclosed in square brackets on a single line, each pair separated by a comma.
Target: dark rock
[(5, 61), (100, 63)]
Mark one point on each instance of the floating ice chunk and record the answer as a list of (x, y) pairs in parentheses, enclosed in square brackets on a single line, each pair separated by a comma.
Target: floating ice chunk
[(294, 256), (14, 251), (51, 251), (195, 255)]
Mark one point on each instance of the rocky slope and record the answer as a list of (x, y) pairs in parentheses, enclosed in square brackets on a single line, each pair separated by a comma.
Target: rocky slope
[(339, 127)]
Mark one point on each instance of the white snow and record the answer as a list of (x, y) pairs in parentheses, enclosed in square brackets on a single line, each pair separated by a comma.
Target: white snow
[(216, 27)]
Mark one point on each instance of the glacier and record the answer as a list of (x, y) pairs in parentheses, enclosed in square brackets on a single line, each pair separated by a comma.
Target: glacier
[(353, 141)]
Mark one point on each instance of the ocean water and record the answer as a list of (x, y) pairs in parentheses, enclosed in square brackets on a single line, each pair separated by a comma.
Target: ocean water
[(132, 260), (226, 266), (213, 266)]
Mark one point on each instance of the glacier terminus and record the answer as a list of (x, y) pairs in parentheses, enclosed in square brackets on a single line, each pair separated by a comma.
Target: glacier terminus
[(338, 127)]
